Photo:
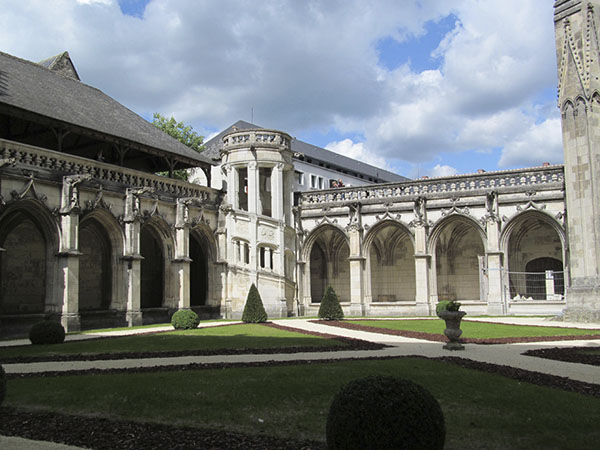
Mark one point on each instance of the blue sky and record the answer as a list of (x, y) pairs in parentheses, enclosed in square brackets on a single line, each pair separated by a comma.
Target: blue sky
[(423, 87)]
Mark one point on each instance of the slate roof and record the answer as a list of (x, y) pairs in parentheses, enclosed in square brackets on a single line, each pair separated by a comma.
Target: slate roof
[(31, 87), (317, 154)]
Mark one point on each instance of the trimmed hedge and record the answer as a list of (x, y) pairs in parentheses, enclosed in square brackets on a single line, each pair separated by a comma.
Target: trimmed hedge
[(254, 311), (383, 412), (47, 332), (185, 319), (330, 308), (2, 385)]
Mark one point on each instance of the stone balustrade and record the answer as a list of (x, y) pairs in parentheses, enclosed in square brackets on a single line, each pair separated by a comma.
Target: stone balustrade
[(260, 137), (552, 176), (39, 159)]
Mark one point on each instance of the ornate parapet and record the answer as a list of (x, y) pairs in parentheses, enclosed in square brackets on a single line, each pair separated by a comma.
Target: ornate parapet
[(551, 177), (49, 162), (256, 138)]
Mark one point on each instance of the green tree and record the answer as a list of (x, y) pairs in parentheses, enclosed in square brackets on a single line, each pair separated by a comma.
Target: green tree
[(183, 133)]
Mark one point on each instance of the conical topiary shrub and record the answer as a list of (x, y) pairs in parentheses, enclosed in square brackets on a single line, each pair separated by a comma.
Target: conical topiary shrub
[(330, 308), (254, 311)]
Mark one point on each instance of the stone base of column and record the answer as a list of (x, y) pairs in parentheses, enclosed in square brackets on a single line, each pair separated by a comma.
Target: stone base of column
[(581, 315), (583, 304), (495, 309), (354, 310), (226, 309), (134, 318), (422, 309), (70, 322)]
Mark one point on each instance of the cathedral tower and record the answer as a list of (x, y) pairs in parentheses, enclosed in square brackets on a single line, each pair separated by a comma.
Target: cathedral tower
[(578, 53)]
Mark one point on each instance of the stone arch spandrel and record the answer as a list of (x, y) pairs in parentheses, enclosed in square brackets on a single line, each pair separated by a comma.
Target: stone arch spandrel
[(30, 216)]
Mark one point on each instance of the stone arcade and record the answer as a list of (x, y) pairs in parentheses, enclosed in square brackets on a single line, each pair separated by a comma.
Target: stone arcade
[(91, 236)]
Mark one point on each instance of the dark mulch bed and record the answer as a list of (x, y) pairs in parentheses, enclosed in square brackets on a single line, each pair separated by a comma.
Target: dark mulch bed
[(102, 433), (349, 344), (567, 354), (442, 338), (107, 434)]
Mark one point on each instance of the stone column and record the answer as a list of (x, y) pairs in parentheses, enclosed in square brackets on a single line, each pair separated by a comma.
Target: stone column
[(253, 186), (132, 221), (578, 68), (497, 304), (182, 259), (422, 262), (357, 260), (277, 206), (69, 251)]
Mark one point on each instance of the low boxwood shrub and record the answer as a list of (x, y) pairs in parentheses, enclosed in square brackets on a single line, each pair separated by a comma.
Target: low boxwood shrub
[(2, 385), (47, 332), (254, 311), (330, 308), (383, 412), (185, 319)]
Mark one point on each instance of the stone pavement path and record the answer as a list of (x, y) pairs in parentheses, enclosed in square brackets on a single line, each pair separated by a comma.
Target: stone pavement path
[(502, 354)]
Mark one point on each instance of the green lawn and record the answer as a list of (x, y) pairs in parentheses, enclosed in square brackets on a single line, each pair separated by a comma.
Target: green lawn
[(482, 410), (478, 330), (212, 338)]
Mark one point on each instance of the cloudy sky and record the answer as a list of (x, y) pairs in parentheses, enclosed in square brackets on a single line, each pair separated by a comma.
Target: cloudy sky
[(419, 87)]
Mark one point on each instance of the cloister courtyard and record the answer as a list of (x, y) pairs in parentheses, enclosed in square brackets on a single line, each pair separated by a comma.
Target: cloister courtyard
[(234, 385)]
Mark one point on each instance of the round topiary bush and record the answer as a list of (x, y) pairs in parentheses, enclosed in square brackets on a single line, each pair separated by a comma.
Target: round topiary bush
[(381, 413), (254, 311), (2, 385), (185, 319), (330, 308), (47, 332)]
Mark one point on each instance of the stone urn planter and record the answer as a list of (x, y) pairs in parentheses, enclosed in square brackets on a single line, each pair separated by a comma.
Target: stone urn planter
[(449, 312)]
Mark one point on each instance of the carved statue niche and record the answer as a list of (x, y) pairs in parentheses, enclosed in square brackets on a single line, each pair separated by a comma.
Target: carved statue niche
[(70, 193), (491, 206), (183, 211), (420, 211), (354, 217), (133, 203)]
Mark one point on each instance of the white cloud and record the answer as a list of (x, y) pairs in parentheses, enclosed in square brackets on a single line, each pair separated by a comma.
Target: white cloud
[(538, 144), (443, 171), (357, 150), (307, 65)]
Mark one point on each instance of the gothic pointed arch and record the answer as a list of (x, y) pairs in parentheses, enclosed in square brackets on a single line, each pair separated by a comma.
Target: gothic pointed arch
[(157, 250), (457, 243), (534, 243), (390, 251), (326, 252), (203, 252), (30, 237)]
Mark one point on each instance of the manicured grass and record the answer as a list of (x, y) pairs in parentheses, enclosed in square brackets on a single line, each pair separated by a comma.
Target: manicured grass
[(476, 329), (142, 327), (212, 338), (482, 410)]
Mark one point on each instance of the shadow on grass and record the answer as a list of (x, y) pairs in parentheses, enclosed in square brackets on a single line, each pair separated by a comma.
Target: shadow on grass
[(223, 340)]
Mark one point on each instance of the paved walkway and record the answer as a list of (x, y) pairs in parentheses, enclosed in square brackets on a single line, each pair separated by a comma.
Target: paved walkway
[(503, 354)]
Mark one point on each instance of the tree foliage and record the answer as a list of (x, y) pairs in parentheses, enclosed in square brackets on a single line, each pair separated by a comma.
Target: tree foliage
[(183, 133), (180, 131)]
